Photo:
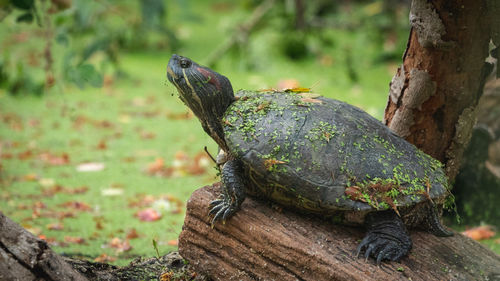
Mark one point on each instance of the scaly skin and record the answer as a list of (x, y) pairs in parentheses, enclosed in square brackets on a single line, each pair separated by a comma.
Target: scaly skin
[(233, 192), (387, 237)]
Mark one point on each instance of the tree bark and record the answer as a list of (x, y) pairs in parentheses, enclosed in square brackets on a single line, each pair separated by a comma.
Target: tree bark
[(25, 257), (433, 96), (263, 243)]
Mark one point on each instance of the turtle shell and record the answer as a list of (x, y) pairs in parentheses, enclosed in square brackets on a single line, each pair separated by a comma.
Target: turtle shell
[(323, 155)]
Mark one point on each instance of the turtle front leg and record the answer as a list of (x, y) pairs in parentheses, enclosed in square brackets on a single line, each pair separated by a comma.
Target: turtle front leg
[(387, 237), (233, 192)]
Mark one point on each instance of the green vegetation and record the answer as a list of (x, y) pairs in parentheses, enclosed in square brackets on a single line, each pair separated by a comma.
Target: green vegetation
[(146, 150)]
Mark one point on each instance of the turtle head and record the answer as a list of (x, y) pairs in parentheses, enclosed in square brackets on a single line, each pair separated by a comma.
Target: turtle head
[(207, 93)]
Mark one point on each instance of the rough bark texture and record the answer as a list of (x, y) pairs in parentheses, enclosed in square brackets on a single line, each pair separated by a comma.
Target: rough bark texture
[(265, 243), (25, 257), (434, 93)]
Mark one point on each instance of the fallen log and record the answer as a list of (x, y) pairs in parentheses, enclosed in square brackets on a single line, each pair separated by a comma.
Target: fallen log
[(262, 242), (25, 257)]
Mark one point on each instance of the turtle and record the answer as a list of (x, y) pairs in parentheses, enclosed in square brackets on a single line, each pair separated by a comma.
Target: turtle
[(315, 155)]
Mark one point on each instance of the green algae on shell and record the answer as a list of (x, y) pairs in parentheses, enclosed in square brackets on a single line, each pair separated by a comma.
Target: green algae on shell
[(306, 151)]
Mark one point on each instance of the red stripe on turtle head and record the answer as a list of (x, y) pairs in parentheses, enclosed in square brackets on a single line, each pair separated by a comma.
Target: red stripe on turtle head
[(210, 76)]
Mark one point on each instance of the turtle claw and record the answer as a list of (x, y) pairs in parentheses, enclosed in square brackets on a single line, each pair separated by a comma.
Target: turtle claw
[(221, 209), (383, 247), (387, 238)]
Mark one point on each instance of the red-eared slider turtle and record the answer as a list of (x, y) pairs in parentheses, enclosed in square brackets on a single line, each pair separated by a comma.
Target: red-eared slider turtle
[(316, 155)]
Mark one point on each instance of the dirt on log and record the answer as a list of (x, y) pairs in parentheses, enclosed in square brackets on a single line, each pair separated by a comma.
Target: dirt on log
[(262, 242)]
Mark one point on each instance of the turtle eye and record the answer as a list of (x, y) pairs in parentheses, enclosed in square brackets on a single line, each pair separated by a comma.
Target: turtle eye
[(185, 63)]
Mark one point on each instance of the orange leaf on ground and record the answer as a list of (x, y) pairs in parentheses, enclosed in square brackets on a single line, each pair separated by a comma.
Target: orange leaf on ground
[(480, 232), (102, 145), (132, 234), (174, 242), (99, 222), (56, 160), (74, 240), (61, 189), (25, 155), (104, 258), (30, 177), (156, 167), (80, 206), (55, 226), (148, 214), (180, 116), (120, 245)]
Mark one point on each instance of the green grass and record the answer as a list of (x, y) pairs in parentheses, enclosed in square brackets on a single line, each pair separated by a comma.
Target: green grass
[(131, 117), (116, 115)]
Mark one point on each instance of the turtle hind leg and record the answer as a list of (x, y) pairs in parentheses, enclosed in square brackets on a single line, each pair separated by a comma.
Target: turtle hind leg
[(387, 237), (233, 192), (432, 223)]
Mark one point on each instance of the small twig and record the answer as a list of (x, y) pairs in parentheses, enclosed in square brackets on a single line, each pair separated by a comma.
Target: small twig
[(210, 155)]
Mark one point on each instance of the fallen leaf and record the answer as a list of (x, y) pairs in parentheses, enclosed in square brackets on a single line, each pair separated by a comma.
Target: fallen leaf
[(46, 182), (298, 90), (102, 145), (112, 192), (147, 135), (90, 167), (55, 160), (148, 214), (132, 234), (269, 163), (142, 200), (354, 193), (104, 258), (174, 242), (480, 232), (79, 206), (27, 154), (167, 276), (120, 245), (157, 166), (50, 191), (99, 221), (74, 240), (180, 116), (55, 226), (30, 177)]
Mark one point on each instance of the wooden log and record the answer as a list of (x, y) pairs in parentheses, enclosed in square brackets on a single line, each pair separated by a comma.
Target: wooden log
[(26, 257), (265, 243)]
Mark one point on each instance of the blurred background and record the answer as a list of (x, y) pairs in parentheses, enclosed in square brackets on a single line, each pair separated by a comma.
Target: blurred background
[(98, 155)]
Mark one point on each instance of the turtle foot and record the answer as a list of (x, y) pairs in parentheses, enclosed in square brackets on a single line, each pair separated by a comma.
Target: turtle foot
[(221, 209), (387, 238)]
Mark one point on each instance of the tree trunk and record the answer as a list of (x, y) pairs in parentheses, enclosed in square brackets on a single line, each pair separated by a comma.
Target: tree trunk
[(433, 96), (262, 243)]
